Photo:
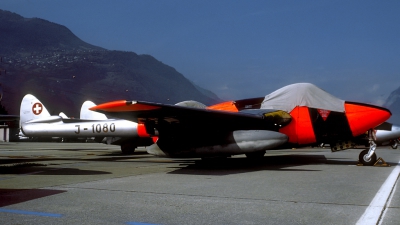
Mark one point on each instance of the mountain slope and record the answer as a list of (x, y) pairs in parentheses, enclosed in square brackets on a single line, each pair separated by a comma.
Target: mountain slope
[(47, 60), (34, 34), (393, 103)]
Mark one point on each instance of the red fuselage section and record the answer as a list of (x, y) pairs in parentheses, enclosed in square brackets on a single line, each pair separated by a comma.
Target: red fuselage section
[(309, 125)]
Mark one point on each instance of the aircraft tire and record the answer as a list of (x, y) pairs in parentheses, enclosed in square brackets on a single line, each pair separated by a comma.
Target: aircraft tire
[(255, 155), (370, 162), (128, 148)]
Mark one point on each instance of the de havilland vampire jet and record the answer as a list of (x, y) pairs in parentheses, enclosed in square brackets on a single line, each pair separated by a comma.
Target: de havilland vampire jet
[(295, 115), (36, 121)]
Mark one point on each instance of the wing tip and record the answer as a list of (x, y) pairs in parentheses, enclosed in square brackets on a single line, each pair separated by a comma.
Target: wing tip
[(109, 105)]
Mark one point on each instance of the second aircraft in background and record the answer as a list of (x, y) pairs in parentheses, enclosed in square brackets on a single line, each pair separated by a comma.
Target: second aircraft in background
[(36, 121)]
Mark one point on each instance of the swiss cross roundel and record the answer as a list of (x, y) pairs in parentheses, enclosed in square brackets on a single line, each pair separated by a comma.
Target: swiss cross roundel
[(37, 108)]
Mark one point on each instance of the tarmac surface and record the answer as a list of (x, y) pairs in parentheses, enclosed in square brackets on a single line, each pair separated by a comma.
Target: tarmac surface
[(86, 183)]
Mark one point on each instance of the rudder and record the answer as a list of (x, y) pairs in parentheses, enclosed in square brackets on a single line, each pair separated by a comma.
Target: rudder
[(32, 108)]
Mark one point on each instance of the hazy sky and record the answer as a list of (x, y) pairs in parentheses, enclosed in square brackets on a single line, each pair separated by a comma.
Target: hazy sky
[(241, 49)]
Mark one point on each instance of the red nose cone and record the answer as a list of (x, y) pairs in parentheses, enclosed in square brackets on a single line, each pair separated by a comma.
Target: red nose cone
[(362, 117)]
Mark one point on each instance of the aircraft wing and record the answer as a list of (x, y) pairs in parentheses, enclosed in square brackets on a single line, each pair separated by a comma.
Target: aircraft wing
[(156, 113)]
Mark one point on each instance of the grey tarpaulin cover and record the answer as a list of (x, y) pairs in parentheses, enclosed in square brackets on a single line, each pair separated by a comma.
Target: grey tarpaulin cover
[(302, 94)]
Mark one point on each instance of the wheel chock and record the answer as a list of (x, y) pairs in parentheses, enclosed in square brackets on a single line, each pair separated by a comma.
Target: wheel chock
[(383, 163)]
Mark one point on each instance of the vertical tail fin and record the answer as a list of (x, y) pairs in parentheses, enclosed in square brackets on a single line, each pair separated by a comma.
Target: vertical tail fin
[(87, 114), (32, 108)]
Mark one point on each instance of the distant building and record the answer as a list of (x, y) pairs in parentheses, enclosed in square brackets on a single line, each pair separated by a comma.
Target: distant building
[(9, 130), (4, 133)]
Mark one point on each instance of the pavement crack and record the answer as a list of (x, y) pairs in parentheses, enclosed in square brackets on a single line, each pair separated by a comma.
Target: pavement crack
[(219, 197)]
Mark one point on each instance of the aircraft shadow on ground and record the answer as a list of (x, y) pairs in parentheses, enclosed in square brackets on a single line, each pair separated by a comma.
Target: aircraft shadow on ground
[(42, 169), (118, 153), (243, 165), (44, 165), (15, 196), (109, 157), (109, 152), (183, 166)]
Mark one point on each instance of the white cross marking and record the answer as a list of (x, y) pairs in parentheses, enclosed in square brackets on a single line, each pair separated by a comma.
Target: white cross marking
[(37, 108)]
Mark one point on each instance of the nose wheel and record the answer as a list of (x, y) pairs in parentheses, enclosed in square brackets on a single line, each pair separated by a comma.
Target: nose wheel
[(368, 156), (365, 160)]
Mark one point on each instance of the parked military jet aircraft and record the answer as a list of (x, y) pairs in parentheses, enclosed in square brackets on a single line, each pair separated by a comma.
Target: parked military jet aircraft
[(36, 121), (295, 115)]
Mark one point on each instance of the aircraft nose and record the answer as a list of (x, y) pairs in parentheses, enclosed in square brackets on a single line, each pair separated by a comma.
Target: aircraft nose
[(362, 117)]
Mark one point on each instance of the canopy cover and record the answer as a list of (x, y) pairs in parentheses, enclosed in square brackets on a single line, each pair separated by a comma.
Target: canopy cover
[(302, 94)]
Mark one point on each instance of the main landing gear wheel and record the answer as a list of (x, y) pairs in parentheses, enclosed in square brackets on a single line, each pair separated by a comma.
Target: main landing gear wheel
[(128, 148), (364, 160)]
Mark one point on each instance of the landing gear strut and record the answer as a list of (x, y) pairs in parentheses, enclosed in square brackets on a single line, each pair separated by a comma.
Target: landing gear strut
[(368, 156)]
